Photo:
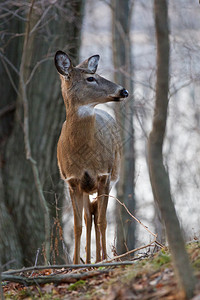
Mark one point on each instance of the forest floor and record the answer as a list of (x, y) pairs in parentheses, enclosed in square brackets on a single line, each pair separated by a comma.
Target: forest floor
[(149, 277)]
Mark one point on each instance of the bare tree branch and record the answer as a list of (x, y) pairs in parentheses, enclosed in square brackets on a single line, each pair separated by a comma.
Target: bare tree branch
[(10, 77), (4, 58), (11, 12), (155, 235), (132, 251), (36, 66), (7, 109), (40, 20), (13, 36)]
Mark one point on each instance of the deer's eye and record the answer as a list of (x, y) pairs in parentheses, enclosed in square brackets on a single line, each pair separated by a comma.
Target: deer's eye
[(90, 79)]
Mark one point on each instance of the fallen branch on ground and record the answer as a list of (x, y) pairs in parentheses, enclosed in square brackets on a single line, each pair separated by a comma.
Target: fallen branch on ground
[(58, 267), (65, 278)]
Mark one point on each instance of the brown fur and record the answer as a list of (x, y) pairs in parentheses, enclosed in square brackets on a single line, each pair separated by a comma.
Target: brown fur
[(89, 146)]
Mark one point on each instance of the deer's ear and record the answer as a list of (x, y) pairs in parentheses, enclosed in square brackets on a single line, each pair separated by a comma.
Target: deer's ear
[(63, 63), (93, 63)]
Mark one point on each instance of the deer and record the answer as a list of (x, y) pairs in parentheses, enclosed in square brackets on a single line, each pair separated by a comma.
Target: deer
[(89, 147)]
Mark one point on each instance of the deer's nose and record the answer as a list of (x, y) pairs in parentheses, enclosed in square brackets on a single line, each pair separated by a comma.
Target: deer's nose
[(124, 93)]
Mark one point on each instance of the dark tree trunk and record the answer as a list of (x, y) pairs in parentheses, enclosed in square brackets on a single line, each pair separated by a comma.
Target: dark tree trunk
[(121, 18), (9, 241), (158, 174), (59, 27)]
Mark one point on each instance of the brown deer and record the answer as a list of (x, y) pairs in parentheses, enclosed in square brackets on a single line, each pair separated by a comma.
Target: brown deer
[(89, 147)]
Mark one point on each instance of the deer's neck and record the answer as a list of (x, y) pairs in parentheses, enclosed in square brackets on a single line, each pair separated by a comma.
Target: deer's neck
[(80, 124)]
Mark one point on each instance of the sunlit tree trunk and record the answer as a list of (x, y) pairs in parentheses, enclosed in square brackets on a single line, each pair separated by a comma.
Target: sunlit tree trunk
[(121, 18), (53, 26), (158, 174)]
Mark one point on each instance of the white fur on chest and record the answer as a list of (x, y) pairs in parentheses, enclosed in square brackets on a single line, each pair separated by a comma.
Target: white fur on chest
[(86, 110)]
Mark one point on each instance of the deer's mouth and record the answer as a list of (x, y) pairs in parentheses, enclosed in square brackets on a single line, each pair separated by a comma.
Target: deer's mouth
[(122, 93), (116, 99)]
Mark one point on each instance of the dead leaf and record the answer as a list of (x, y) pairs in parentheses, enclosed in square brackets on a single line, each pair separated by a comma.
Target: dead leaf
[(48, 288)]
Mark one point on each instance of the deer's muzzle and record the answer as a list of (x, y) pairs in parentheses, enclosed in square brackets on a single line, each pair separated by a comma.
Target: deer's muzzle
[(124, 93)]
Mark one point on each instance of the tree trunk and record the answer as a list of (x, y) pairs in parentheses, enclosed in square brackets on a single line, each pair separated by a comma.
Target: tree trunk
[(121, 17), (158, 174), (52, 27), (9, 241)]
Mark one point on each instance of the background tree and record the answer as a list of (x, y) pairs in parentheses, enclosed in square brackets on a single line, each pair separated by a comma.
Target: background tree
[(121, 21), (50, 26), (158, 174), (181, 144)]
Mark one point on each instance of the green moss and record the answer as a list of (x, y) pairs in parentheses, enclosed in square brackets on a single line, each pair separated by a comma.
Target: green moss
[(101, 268), (193, 245), (161, 259), (25, 293), (76, 285), (196, 263)]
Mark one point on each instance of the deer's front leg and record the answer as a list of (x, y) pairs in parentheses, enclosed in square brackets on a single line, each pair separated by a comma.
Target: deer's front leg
[(103, 192), (77, 203)]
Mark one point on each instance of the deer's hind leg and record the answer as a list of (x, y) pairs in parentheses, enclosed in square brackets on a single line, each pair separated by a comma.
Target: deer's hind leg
[(94, 210), (103, 194), (88, 223)]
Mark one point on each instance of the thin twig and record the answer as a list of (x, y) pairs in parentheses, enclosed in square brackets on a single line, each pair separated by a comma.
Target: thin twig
[(35, 68), (14, 35), (4, 58), (155, 235), (10, 76), (40, 20), (12, 12), (137, 249), (6, 109), (36, 260), (132, 251)]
